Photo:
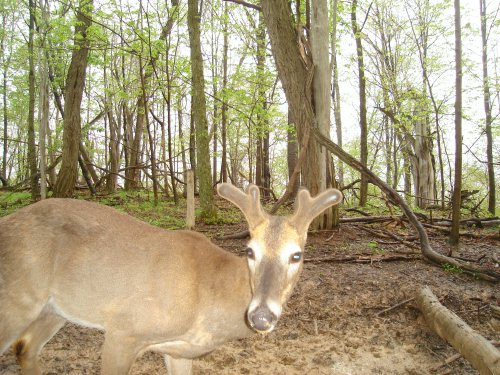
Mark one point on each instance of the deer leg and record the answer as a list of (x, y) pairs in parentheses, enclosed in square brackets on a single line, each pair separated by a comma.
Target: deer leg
[(32, 340), (178, 366), (118, 354), (15, 319)]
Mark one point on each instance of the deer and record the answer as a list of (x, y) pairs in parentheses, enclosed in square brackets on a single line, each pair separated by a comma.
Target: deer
[(149, 289)]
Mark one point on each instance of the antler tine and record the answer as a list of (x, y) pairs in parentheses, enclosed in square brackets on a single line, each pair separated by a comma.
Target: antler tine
[(307, 208), (248, 203)]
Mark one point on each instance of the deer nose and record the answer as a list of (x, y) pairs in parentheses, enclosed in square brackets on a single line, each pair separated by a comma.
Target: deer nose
[(262, 319)]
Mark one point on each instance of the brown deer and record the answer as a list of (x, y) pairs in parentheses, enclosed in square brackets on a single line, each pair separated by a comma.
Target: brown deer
[(174, 292)]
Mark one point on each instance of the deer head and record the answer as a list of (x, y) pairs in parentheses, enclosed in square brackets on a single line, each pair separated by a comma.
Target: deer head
[(275, 250)]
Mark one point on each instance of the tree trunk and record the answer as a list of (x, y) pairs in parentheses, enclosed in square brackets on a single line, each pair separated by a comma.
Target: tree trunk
[(423, 165), (456, 199), (295, 71), (5, 66), (182, 143), (192, 145), (151, 137), (32, 162), (114, 153), (481, 354), (262, 132), (336, 90), (225, 48), (200, 114), (292, 152), (132, 173), (44, 119), (75, 82), (363, 122), (487, 111), (321, 93)]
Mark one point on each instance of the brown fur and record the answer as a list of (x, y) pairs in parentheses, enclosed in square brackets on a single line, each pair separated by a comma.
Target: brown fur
[(149, 289)]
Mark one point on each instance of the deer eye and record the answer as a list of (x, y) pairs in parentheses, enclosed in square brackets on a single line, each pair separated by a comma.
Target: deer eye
[(295, 258), (250, 253)]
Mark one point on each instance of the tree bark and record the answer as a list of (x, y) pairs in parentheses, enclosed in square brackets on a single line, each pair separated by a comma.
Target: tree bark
[(363, 122), (481, 354), (292, 154), (44, 124), (75, 82), (487, 111), (225, 48), (262, 178), (321, 93), (456, 199), (336, 90), (32, 159), (44, 105), (5, 66), (295, 69), (200, 114)]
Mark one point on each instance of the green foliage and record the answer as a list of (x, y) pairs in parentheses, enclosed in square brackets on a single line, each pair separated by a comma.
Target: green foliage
[(376, 249), (452, 268), (141, 205), (12, 201)]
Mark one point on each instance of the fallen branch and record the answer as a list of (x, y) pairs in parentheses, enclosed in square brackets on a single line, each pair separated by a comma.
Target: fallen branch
[(447, 361), (386, 234), (366, 219), (446, 230), (395, 306), (363, 258), (481, 354)]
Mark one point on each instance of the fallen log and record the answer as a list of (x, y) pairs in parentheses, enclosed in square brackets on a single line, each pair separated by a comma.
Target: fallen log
[(480, 353)]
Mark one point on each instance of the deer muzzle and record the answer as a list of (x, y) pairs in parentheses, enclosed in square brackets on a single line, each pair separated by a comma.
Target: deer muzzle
[(262, 319)]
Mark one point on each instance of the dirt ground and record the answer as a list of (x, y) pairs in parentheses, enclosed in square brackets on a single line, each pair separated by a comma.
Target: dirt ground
[(333, 323)]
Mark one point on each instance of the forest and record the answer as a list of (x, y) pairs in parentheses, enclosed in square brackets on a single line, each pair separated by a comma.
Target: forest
[(396, 103), (128, 95)]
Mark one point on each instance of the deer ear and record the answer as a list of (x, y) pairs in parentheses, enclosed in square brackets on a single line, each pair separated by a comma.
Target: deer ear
[(307, 208), (248, 203)]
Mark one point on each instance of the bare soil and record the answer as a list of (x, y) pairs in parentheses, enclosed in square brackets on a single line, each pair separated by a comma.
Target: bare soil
[(333, 322)]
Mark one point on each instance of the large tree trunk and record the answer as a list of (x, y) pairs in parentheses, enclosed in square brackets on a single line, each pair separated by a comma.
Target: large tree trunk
[(75, 82), (363, 122), (200, 113), (487, 111), (295, 71), (456, 198)]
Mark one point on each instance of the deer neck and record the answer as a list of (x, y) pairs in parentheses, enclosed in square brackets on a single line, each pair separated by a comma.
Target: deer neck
[(227, 296)]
